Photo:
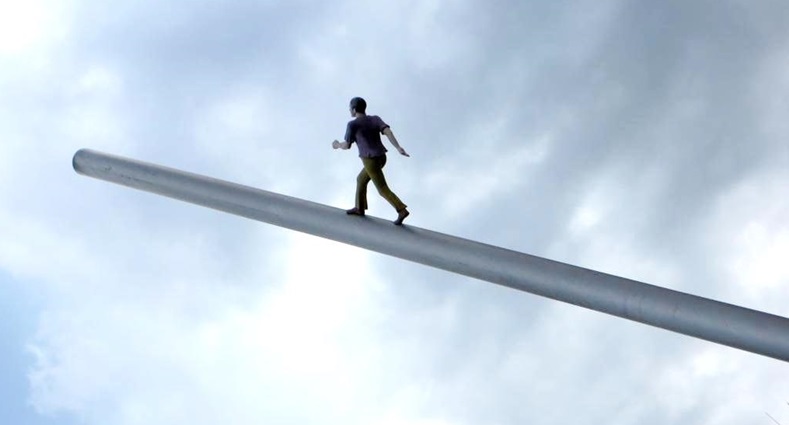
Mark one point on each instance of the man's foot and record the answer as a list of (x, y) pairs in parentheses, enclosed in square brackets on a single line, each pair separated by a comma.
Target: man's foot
[(401, 215), (354, 211)]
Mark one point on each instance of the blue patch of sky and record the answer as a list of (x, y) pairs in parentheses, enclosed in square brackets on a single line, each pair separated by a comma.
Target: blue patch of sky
[(20, 307)]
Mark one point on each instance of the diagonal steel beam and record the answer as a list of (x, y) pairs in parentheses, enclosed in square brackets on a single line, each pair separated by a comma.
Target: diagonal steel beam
[(703, 318)]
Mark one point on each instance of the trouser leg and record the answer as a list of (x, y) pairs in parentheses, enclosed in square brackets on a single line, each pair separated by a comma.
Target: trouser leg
[(374, 169), (361, 190)]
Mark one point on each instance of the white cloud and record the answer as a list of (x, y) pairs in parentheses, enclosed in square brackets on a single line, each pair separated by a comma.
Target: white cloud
[(481, 172), (97, 116), (160, 312), (22, 24), (186, 348), (241, 133), (749, 227)]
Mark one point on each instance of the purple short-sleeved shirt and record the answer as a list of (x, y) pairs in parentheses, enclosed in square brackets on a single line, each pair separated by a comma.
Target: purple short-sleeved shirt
[(366, 131)]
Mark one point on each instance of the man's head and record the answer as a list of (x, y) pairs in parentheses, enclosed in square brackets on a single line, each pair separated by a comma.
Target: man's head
[(358, 105)]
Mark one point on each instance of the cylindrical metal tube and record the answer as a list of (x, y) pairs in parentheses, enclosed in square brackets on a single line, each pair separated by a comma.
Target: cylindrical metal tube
[(703, 318)]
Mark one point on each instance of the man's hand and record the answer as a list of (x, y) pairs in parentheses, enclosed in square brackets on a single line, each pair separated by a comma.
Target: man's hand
[(393, 140), (340, 145)]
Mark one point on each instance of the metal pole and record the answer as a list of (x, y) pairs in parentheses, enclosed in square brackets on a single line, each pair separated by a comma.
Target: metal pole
[(703, 318)]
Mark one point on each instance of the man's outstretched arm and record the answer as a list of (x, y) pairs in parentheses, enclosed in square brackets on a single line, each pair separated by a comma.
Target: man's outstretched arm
[(393, 140)]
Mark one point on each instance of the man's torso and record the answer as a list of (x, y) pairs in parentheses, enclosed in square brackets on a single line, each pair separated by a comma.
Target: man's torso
[(366, 132)]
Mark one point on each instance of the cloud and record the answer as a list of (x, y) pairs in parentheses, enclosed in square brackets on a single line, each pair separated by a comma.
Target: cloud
[(748, 223), (639, 140), (26, 26)]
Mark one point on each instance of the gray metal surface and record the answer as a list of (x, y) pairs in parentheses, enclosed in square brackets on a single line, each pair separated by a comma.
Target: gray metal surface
[(726, 324)]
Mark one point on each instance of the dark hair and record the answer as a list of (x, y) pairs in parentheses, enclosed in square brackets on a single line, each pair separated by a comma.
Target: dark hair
[(359, 104)]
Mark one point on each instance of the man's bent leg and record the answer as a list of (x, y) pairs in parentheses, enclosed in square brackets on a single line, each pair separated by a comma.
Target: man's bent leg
[(374, 168)]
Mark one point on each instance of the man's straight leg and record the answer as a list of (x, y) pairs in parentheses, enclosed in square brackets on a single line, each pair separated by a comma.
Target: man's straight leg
[(361, 189)]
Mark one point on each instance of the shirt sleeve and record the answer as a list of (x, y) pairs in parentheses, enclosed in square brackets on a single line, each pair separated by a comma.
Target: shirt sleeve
[(381, 124), (350, 134)]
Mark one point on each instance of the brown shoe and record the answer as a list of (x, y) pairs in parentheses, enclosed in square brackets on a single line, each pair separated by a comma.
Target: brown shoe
[(401, 215), (355, 211)]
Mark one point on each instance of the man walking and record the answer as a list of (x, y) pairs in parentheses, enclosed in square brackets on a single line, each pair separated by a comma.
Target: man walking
[(365, 130)]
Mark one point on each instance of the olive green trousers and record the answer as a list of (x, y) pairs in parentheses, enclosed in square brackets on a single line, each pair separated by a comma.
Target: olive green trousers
[(373, 170)]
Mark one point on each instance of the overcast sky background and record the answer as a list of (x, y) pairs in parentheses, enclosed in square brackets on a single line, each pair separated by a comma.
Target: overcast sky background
[(642, 139)]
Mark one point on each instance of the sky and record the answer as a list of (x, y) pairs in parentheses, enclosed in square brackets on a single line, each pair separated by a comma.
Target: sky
[(642, 139)]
